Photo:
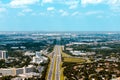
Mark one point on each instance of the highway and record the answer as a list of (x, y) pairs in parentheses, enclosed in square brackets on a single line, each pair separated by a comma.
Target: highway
[(50, 73), (56, 58)]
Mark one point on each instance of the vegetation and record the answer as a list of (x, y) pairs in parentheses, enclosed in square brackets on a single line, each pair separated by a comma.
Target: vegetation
[(17, 62), (104, 64), (73, 59), (44, 73), (6, 77), (103, 48), (65, 55), (50, 48), (2, 63), (88, 71), (61, 71)]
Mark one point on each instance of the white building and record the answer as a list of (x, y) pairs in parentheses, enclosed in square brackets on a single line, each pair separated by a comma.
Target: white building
[(3, 54), (29, 53), (38, 54), (16, 71), (82, 53), (29, 75), (38, 58)]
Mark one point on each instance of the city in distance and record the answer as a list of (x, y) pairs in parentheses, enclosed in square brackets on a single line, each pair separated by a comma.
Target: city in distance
[(59, 55), (59, 39)]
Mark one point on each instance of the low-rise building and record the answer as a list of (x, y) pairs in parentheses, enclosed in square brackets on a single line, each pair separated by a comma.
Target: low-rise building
[(29, 75), (28, 53), (16, 71), (82, 53)]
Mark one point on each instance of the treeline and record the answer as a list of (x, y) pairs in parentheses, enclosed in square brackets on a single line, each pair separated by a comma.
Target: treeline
[(110, 48), (44, 73)]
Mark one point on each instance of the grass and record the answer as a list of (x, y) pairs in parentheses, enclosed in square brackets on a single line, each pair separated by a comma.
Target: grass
[(61, 71), (54, 70), (61, 68), (69, 58), (73, 59), (65, 55)]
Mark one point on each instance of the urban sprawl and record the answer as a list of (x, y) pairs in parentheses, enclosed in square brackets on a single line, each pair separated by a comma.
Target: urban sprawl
[(59, 55)]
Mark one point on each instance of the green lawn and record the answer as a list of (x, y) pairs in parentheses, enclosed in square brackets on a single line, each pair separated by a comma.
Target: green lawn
[(73, 59)]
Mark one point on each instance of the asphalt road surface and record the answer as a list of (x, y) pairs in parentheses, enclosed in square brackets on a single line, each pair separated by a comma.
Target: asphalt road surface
[(51, 66), (58, 60), (56, 57)]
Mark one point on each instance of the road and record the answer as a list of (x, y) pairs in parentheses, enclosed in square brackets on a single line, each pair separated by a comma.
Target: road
[(50, 73), (56, 58)]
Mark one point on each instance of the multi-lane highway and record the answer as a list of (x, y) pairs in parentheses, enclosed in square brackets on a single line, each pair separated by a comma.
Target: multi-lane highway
[(50, 73), (56, 59)]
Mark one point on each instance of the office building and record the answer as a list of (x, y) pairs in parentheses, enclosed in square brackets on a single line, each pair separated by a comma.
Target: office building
[(3, 54), (16, 71)]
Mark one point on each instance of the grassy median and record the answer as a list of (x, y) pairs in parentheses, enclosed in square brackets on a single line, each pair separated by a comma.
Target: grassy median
[(53, 75)]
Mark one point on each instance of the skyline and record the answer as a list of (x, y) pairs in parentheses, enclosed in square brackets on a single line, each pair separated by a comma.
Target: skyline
[(59, 15)]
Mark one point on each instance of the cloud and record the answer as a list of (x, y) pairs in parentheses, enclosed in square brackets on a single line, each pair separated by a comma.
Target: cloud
[(50, 8), (27, 10), (114, 5), (47, 1), (76, 13), (72, 3), (22, 3), (63, 13), (21, 14), (42, 14), (34, 14), (68, 7), (85, 2), (113, 2), (100, 16), (2, 9), (73, 7), (93, 12), (24, 11)]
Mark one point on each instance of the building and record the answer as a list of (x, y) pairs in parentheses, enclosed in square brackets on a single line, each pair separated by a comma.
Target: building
[(3, 54), (82, 53), (16, 71), (17, 78), (38, 58), (30, 75), (28, 53), (7, 72), (38, 54)]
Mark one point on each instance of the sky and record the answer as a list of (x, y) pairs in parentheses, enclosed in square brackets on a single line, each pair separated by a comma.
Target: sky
[(59, 15)]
